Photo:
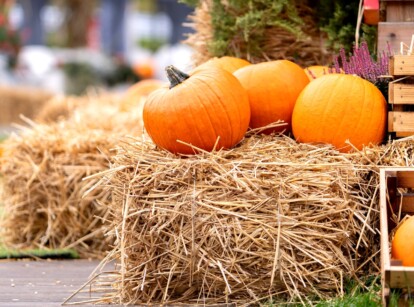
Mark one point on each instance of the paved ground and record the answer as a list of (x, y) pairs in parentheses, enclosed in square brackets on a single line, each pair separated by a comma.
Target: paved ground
[(43, 283)]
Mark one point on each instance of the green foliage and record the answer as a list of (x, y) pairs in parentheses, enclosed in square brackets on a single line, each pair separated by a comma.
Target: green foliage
[(64, 253), (151, 43), (242, 24), (355, 295), (398, 298), (80, 76), (338, 19)]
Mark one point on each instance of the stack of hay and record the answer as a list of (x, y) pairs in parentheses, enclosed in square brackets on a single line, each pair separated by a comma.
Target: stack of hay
[(270, 218), (17, 100), (276, 42), (43, 167)]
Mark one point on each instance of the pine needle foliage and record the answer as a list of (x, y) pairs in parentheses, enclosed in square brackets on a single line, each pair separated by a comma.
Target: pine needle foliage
[(243, 23), (338, 19)]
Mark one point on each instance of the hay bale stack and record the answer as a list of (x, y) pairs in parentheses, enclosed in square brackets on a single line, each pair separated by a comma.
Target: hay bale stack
[(19, 100), (266, 219), (43, 169), (59, 108), (276, 42), (64, 107)]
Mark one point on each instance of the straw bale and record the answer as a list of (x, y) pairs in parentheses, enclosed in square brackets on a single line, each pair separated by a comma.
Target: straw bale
[(59, 107), (63, 107), (43, 167), (278, 43), (269, 218), (20, 100)]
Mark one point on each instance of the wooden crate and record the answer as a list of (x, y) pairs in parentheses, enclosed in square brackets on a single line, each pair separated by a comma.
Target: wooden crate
[(394, 197), (391, 34), (401, 64), (401, 113)]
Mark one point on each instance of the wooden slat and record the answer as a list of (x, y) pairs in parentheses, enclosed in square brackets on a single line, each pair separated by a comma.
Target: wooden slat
[(401, 93), (401, 277), (393, 274), (402, 65), (405, 179), (385, 255), (407, 203), (401, 122), (393, 33), (42, 283), (399, 11)]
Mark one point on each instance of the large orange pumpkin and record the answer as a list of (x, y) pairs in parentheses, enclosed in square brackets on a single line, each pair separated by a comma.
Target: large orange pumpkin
[(229, 63), (209, 109), (273, 88), (337, 107), (402, 247)]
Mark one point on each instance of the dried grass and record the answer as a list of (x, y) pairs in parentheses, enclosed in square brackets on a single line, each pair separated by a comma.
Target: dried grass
[(278, 44), (19, 100), (43, 167), (269, 218)]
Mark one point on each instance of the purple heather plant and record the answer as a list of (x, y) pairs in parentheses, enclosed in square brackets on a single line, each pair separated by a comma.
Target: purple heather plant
[(362, 64)]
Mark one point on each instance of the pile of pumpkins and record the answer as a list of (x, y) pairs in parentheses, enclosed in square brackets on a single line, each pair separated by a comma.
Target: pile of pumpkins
[(214, 105)]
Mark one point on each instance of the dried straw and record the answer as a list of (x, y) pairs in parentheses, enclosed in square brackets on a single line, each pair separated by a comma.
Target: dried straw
[(43, 167), (19, 100), (279, 43), (268, 218)]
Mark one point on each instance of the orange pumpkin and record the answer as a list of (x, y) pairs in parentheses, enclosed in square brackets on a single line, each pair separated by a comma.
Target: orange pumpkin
[(229, 63), (273, 88), (338, 107), (138, 92), (144, 69), (209, 109), (402, 247)]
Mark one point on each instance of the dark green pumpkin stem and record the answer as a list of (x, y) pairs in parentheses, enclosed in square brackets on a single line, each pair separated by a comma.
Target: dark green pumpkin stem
[(175, 76)]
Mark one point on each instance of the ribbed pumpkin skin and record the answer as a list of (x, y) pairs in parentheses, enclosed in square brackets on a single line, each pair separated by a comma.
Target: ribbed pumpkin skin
[(339, 107), (403, 243), (273, 88), (209, 104), (229, 63)]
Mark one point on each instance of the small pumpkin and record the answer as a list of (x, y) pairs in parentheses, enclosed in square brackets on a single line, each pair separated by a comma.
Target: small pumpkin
[(209, 109), (144, 69), (338, 107), (229, 63), (273, 88), (138, 92), (402, 247)]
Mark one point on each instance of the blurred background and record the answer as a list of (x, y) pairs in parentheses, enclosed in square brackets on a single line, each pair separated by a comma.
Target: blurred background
[(65, 46)]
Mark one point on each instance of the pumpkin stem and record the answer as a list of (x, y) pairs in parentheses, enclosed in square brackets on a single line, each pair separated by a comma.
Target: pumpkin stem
[(175, 76)]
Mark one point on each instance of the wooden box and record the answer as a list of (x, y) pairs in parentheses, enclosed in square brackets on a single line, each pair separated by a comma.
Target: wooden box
[(396, 200), (402, 65), (401, 113), (391, 34)]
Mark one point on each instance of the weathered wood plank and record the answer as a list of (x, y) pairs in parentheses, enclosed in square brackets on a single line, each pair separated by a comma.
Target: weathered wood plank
[(42, 283), (393, 33), (399, 11)]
